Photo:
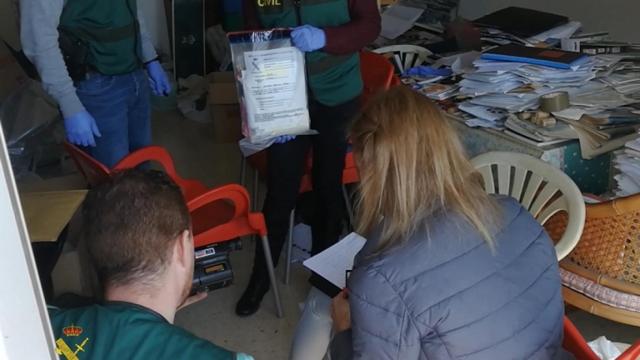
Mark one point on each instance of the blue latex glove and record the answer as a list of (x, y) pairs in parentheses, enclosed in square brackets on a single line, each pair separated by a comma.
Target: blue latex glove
[(308, 38), (159, 80), (81, 128), (283, 139)]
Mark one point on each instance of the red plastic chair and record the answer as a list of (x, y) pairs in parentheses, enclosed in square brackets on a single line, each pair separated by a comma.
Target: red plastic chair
[(242, 223), (93, 171), (377, 74), (223, 209), (575, 343)]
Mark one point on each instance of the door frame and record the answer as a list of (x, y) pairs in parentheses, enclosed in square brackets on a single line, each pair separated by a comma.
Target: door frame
[(25, 331)]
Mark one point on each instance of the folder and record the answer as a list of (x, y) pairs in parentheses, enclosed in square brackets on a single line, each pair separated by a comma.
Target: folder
[(555, 58)]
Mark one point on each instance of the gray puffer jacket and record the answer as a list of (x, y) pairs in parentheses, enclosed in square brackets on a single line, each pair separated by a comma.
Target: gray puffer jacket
[(445, 295)]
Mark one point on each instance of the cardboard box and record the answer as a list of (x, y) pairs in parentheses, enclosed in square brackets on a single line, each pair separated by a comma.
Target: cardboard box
[(224, 106)]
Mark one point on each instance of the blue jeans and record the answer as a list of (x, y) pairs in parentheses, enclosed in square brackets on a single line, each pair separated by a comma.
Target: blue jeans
[(120, 106)]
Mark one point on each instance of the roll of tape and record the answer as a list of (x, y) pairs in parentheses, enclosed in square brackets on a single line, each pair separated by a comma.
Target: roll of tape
[(556, 101)]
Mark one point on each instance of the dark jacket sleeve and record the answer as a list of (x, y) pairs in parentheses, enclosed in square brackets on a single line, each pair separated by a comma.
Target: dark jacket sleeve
[(363, 29)]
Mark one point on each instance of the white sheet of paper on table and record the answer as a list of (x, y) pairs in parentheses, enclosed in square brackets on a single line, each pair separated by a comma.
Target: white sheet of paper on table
[(397, 19), (333, 263), (572, 113)]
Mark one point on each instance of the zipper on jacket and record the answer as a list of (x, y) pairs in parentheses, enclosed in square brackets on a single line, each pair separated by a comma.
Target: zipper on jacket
[(296, 5)]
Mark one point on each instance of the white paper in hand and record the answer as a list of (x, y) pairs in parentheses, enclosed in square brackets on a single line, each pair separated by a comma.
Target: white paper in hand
[(333, 263)]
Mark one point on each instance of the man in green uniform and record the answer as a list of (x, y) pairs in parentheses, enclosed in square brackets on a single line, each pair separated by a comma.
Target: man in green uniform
[(137, 229)]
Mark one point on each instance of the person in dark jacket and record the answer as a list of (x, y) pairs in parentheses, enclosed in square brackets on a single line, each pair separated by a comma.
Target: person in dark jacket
[(448, 272), (330, 33)]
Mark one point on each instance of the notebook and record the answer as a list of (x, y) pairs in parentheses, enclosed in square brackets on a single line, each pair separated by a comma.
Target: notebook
[(521, 22), (538, 56), (331, 267)]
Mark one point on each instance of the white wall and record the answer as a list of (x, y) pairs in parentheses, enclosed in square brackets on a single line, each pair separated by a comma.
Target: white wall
[(619, 17), (24, 325)]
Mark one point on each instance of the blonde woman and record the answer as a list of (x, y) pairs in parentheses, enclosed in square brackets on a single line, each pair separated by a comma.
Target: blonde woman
[(448, 271)]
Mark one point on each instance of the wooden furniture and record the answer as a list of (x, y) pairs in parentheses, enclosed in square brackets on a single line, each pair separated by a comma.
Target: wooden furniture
[(48, 213), (539, 187), (602, 273)]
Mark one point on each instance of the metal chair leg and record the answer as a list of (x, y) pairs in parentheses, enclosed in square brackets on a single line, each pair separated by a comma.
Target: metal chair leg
[(272, 276), (347, 203), (287, 266)]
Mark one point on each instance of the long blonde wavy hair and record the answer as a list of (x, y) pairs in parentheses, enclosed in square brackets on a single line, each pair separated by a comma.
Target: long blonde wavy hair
[(412, 166)]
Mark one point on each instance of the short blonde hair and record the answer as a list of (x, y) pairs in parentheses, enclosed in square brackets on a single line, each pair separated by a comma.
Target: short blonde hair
[(412, 166)]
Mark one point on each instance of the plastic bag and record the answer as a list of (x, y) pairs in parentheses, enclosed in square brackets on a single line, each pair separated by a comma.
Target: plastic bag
[(29, 118), (272, 88), (605, 349), (192, 101)]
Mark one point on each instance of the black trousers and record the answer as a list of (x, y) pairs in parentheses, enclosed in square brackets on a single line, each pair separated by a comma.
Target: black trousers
[(286, 164)]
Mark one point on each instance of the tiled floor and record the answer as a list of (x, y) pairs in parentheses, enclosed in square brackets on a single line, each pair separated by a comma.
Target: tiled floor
[(264, 335)]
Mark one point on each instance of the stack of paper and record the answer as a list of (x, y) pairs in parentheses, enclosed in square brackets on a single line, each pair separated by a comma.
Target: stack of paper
[(511, 102), (627, 163), (500, 84), (556, 78), (439, 91), (484, 116), (624, 82)]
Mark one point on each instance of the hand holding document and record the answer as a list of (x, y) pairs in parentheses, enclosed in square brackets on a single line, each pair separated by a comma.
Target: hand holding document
[(335, 262)]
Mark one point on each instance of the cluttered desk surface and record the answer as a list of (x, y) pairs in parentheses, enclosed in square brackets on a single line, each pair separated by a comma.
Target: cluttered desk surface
[(537, 85)]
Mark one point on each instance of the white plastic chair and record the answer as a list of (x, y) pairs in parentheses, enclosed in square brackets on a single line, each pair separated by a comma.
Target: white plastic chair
[(405, 56), (541, 188)]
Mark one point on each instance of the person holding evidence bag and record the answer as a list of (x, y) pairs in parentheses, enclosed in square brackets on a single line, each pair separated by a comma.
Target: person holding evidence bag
[(330, 33)]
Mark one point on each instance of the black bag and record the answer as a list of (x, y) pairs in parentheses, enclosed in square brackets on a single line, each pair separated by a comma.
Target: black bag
[(75, 53)]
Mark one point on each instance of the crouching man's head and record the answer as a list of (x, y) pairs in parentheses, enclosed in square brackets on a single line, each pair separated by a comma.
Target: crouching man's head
[(137, 233)]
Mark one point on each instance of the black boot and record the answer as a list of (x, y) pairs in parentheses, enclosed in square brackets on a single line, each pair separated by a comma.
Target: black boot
[(258, 286)]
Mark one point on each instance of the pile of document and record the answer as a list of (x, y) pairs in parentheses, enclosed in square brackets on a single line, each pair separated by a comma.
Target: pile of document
[(627, 164), (623, 81), (513, 87), (604, 96)]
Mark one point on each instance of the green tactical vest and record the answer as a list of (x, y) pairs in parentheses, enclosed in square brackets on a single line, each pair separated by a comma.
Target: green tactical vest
[(119, 330), (333, 79), (108, 29)]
